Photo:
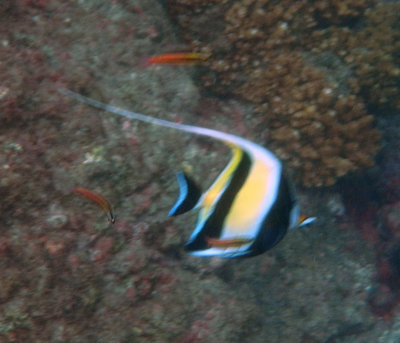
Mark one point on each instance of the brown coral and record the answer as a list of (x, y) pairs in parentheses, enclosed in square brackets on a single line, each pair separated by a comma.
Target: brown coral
[(321, 135), (371, 52), (375, 55), (313, 123)]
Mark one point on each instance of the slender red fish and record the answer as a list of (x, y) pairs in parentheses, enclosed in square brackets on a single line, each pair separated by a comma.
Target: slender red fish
[(228, 243), (178, 58), (99, 200)]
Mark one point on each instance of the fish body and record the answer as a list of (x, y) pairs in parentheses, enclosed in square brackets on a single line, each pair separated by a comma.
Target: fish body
[(178, 58), (102, 202), (228, 243), (250, 198)]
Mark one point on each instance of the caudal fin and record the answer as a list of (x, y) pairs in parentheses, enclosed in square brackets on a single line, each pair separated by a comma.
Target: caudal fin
[(189, 195)]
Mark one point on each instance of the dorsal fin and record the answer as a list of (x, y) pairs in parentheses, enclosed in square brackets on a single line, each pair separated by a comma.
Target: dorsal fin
[(189, 195), (196, 130)]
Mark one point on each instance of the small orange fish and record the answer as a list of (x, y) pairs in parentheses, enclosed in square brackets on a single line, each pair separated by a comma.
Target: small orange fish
[(99, 200), (178, 58), (228, 243)]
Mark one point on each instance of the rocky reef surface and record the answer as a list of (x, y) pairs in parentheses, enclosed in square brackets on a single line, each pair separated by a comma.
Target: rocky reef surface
[(67, 275)]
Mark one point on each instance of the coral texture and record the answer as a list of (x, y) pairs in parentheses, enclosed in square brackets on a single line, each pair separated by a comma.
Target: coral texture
[(321, 135), (313, 119), (372, 53)]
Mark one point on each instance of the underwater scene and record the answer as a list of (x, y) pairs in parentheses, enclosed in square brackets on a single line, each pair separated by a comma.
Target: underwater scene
[(187, 171)]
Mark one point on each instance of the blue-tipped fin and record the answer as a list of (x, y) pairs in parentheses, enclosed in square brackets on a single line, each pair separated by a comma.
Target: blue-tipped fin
[(189, 195), (304, 220)]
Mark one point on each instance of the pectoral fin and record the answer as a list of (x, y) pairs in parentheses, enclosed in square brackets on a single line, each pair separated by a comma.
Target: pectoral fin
[(188, 197)]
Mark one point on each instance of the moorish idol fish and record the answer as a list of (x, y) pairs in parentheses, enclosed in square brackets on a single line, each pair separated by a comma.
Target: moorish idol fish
[(249, 207)]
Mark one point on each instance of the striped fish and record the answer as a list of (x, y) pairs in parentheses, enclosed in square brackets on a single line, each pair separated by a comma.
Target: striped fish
[(249, 207)]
